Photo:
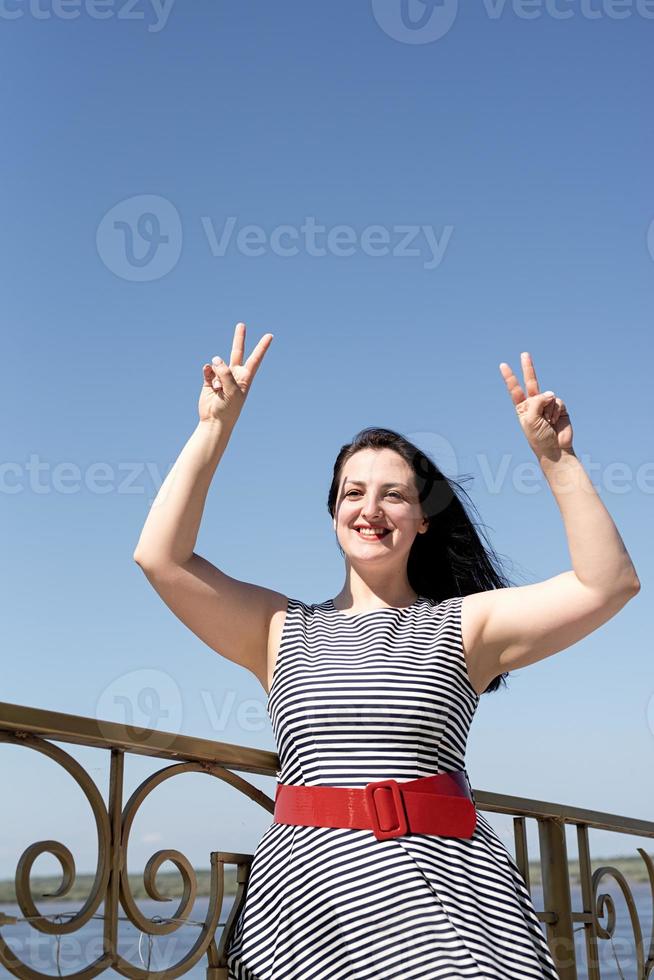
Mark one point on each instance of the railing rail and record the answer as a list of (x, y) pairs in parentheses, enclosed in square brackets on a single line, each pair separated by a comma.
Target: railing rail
[(39, 729)]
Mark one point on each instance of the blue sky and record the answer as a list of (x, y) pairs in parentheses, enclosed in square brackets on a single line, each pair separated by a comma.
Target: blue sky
[(429, 200)]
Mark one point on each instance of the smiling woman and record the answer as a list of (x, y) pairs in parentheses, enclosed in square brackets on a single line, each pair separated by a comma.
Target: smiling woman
[(429, 545), (371, 696)]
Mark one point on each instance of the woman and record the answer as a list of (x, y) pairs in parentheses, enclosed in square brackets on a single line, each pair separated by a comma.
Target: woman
[(377, 864)]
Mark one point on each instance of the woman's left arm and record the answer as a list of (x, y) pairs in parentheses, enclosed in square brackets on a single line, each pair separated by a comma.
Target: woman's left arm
[(600, 560), (510, 628)]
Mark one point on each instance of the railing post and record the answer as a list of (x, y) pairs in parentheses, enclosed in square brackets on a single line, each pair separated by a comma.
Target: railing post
[(556, 895), (115, 809)]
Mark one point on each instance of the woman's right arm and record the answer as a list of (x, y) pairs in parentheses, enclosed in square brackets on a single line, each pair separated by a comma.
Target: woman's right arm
[(230, 616)]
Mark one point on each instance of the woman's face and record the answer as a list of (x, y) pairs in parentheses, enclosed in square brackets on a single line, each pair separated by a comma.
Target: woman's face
[(377, 489)]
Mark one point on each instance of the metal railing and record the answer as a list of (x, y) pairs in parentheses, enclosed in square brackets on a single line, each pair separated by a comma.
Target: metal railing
[(37, 729)]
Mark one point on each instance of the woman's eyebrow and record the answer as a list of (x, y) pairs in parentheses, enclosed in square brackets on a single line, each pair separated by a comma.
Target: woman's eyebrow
[(361, 483)]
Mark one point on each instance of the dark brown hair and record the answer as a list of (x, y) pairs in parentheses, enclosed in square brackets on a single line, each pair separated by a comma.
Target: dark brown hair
[(449, 559)]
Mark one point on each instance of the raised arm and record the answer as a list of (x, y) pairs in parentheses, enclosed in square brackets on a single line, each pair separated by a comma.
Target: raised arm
[(506, 629), (230, 616)]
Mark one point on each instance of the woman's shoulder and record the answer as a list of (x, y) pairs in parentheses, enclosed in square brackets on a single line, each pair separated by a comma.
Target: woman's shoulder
[(303, 607)]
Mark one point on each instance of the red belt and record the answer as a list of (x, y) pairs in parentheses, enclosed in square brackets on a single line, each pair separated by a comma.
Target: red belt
[(439, 804)]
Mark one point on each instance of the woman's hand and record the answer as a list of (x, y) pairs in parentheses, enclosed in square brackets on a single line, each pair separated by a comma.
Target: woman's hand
[(226, 385), (543, 417)]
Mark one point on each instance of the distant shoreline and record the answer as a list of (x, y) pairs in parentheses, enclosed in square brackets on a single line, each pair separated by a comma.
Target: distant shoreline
[(170, 885)]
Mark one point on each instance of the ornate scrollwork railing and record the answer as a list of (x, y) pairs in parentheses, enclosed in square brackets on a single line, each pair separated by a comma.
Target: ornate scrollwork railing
[(37, 730)]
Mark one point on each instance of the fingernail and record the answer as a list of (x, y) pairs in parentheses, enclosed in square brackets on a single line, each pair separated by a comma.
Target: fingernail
[(217, 360)]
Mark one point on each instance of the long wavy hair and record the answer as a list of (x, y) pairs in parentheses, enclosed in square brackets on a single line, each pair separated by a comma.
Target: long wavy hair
[(449, 559)]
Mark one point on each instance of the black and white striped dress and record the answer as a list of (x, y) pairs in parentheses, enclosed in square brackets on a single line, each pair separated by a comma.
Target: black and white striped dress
[(383, 694)]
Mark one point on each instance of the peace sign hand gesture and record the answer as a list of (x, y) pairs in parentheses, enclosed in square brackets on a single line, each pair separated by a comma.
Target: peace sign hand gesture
[(543, 417), (226, 386)]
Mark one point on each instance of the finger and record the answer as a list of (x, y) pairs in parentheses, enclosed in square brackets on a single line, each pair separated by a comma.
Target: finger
[(561, 411), (224, 375), (256, 357), (556, 411), (209, 375), (529, 373), (238, 345), (211, 379), (512, 383), (546, 404)]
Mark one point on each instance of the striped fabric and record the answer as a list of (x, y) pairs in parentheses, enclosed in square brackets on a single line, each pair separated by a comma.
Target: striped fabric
[(383, 694)]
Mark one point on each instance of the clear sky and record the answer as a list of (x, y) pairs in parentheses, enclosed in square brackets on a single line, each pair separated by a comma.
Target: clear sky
[(404, 196)]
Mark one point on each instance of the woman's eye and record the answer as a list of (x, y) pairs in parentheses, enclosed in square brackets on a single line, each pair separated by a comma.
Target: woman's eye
[(392, 493)]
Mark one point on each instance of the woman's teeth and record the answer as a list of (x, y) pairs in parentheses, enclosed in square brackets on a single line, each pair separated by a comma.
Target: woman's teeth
[(365, 533)]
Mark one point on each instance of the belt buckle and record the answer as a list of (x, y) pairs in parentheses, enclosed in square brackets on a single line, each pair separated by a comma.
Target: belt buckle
[(400, 813)]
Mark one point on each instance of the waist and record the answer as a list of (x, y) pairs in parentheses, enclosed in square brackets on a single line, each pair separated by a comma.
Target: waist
[(440, 804)]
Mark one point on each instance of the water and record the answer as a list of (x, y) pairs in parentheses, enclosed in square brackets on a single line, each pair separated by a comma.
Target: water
[(80, 948)]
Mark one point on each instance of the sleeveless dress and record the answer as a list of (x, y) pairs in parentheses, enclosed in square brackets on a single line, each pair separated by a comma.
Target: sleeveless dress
[(383, 694)]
